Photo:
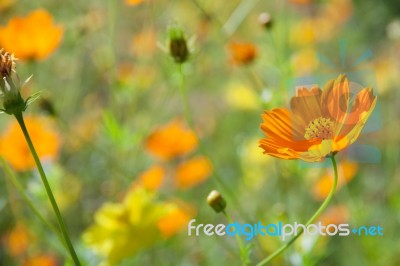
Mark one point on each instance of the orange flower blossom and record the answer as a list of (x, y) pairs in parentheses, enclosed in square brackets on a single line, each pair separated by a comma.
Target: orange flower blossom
[(15, 150), (31, 37), (320, 122), (171, 140), (242, 53)]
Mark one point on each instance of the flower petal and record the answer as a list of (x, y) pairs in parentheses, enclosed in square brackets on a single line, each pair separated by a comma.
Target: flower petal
[(318, 152), (306, 105), (279, 125), (284, 149), (362, 109), (335, 100)]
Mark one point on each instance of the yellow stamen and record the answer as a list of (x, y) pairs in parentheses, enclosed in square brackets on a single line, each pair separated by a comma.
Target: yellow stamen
[(319, 128)]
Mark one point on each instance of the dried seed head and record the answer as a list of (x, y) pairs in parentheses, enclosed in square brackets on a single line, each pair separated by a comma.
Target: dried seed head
[(7, 63)]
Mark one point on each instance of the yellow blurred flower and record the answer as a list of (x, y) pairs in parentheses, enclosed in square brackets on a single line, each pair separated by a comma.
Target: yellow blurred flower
[(122, 229), (31, 37), (13, 145), (337, 11), (41, 260), (171, 140), (347, 170), (133, 2), (242, 53), (4, 4), (313, 30), (84, 129), (192, 172), (304, 61), (144, 43), (241, 97), (303, 32)]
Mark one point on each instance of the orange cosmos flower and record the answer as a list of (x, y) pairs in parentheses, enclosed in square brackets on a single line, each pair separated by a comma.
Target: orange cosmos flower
[(301, 2), (319, 123), (171, 140), (13, 145), (152, 178), (41, 260), (242, 53), (193, 172), (337, 214), (347, 170), (174, 221), (31, 37), (17, 240)]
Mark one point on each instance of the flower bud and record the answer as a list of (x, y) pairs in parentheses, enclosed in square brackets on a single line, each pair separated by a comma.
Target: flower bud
[(216, 201), (12, 99), (177, 45), (265, 20)]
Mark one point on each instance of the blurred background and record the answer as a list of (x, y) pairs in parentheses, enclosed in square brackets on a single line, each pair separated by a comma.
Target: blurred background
[(133, 141)]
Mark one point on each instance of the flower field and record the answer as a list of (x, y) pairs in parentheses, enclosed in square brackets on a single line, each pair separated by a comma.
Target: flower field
[(199, 132)]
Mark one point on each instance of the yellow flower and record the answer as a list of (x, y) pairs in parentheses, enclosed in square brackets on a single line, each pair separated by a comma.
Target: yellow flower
[(133, 2), (241, 97), (319, 123), (15, 150), (144, 43), (122, 229), (304, 62), (4, 4), (31, 37), (171, 140)]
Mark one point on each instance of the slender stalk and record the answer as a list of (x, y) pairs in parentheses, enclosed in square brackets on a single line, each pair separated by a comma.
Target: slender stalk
[(188, 116), (238, 239), (53, 202), (185, 100), (27, 200), (316, 214)]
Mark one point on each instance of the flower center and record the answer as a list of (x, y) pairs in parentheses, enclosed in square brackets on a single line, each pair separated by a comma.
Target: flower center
[(319, 128)]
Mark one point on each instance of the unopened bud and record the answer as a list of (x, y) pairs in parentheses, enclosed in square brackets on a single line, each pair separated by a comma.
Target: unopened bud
[(216, 201), (177, 45), (265, 20)]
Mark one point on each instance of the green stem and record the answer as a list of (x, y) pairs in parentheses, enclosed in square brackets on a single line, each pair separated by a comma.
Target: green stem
[(316, 214), (53, 202), (217, 177), (27, 200), (238, 239), (185, 99)]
